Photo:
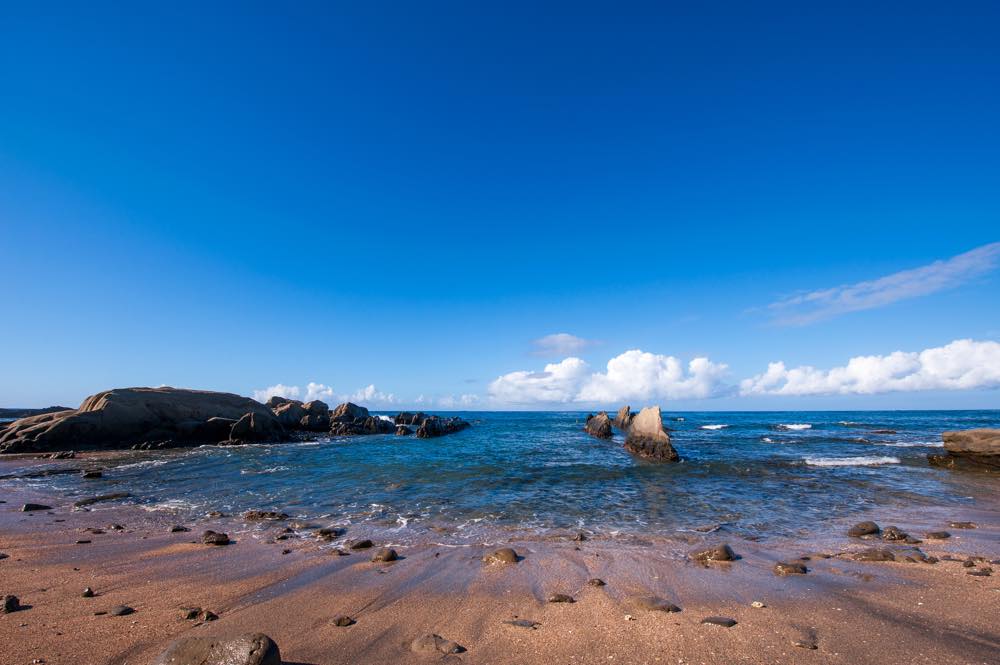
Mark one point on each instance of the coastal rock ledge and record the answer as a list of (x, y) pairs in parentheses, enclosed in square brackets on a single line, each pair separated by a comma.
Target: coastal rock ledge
[(647, 438), (974, 449)]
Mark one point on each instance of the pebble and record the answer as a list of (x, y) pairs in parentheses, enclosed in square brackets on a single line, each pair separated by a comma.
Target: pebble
[(655, 604), (83, 542), (758, 604), (718, 553), (177, 528), (10, 604), (121, 611), (28, 507), (502, 555), (725, 622), (384, 555), (596, 581), (561, 598), (983, 572), (523, 623), (863, 529), (362, 544), (343, 621), (213, 538), (792, 568), (433, 644), (937, 535), (88, 592), (963, 525)]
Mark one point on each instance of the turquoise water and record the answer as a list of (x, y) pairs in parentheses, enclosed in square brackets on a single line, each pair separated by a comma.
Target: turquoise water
[(757, 474)]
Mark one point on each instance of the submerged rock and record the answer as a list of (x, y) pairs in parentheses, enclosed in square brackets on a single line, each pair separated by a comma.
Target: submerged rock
[(599, 426), (875, 554), (648, 439), (435, 426), (252, 649)]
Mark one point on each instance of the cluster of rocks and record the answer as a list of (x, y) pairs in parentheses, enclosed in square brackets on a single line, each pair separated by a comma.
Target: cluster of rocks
[(153, 418), (970, 449), (645, 435)]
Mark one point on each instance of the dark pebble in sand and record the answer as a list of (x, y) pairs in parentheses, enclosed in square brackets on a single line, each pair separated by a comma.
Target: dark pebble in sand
[(331, 531), (284, 536), (502, 555), (10, 604), (969, 563), (790, 568), (725, 622), (339, 552), (434, 644), (207, 615), (82, 542), (362, 544), (963, 525), (561, 598), (28, 507), (88, 592), (804, 644), (596, 582), (213, 538), (121, 611), (177, 528), (215, 514), (938, 535), (261, 515), (718, 553), (894, 533), (4, 556), (875, 554), (190, 613), (654, 604), (523, 623), (979, 573), (117, 527), (100, 499), (343, 621), (286, 551), (863, 529), (385, 555)]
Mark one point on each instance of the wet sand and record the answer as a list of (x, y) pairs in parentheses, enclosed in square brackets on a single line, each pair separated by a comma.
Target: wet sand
[(853, 612)]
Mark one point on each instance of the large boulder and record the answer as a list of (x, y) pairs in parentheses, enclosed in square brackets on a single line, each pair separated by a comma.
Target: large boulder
[(599, 426), (408, 418), (366, 425), (252, 649), (624, 418), (256, 428), (648, 439), (435, 426), (348, 412), (974, 448), (316, 418), (125, 417), (289, 413)]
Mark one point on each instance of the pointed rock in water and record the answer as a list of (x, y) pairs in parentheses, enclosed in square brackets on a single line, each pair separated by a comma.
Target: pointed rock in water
[(863, 529), (725, 622), (252, 649), (624, 418), (647, 438), (718, 553), (213, 538), (403, 430), (502, 555), (348, 412), (598, 426), (790, 568), (434, 644)]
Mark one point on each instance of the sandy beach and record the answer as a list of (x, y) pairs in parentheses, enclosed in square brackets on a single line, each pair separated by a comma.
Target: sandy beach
[(293, 589)]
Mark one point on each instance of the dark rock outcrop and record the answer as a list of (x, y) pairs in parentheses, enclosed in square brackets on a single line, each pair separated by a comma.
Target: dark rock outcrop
[(862, 529), (648, 439), (718, 553), (598, 426), (256, 428), (366, 425), (403, 430), (252, 649), (973, 449), (435, 426), (407, 418), (127, 417), (624, 418), (348, 412)]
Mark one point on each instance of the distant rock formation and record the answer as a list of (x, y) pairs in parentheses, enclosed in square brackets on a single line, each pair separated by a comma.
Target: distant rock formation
[(973, 449), (27, 413), (599, 425), (624, 418), (434, 426), (144, 417), (648, 439), (348, 412)]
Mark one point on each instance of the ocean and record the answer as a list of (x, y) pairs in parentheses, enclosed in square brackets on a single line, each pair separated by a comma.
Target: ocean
[(757, 475)]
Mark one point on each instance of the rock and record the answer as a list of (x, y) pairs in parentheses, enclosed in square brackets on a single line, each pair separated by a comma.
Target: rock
[(502, 555), (256, 427), (718, 553), (790, 568), (624, 418), (263, 515), (938, 535), (275, 401), (28, 507), (177, 528), (434, 426), (251, 649), (596, 581), (213, 538), (82, 542), (330, 532), (407, 418), (290, 414), (980, 573), (101, 499), (561, 598), (580, 537), (348, 413), (363, 544), (4, 556), (647, 438), (894, 533), (343, 621), (523, 623), (10, 604), (863, 529), (974, 448), (403, 430), (875, 554), (963, 525), (725, 622), (434, 644), (758, 604), (121, 611), (127, 417), (207, 615), (91, 475), (385, 555), (599, 426), (190, 613), (654, 604), (88, 592)]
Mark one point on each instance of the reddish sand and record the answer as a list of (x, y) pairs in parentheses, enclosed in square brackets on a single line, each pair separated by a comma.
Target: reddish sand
[(852, 612)]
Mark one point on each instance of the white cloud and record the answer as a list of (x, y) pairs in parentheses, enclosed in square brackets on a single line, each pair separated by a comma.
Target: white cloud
[(319, 391), (371, 395), (450, 401), (633, 375), (810, 307), (560, 344), (279, 390), (961, 365)]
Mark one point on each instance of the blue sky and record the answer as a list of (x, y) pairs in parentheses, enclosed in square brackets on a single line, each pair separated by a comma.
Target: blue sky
[(410, 196)]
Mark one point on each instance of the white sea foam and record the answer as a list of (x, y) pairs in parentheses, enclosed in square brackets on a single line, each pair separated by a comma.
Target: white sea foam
[(795, 426), (714, 426), (767, 439), (865, 460), (142, 465), (270, 469), (913, 444), (388, 419)]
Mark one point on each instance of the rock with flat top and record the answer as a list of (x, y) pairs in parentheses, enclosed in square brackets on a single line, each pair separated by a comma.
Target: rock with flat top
[(598, 426), (251, 649), (973, 449), (648, 439)]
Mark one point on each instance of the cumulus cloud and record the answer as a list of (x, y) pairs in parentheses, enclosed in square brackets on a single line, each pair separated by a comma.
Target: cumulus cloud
[(464, 401), (633, 375), (318, 391), (560, 344), (278, 390), (371, 395), (805, 308), (961, 365)]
